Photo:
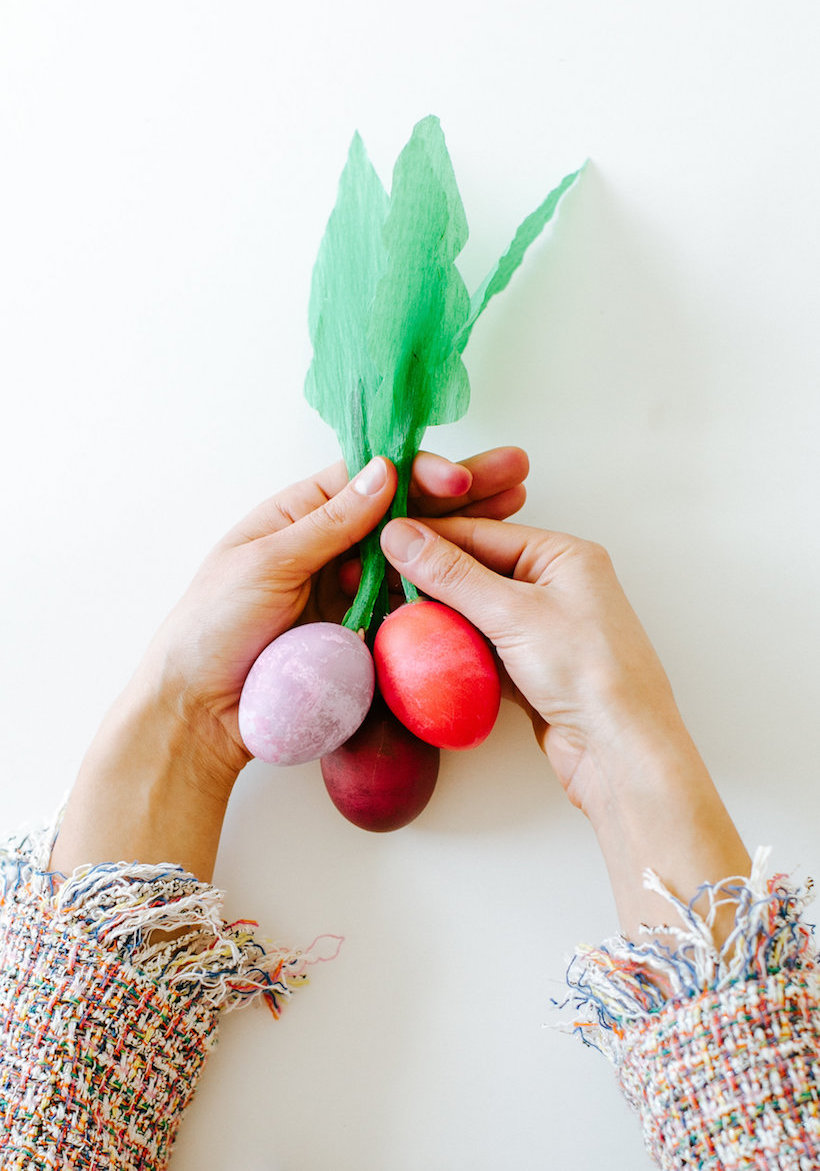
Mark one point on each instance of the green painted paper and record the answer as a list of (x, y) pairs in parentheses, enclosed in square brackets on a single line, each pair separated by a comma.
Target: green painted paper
[(499, 277), (390, 316), (343, 378), (421, 301)]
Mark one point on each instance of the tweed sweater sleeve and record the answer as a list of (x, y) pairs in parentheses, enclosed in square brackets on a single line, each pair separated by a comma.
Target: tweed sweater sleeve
[(105, 1021), (717, 1049)]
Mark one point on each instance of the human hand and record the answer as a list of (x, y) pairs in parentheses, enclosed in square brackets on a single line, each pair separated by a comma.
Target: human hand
[(156, 779), (282, 563), (580, 663), (574, 652)]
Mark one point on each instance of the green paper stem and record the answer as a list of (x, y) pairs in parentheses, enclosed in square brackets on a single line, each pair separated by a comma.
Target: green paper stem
[(374, 575), (399, 509)]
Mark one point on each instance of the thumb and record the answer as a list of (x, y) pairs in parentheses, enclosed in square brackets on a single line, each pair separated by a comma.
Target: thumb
[(445, 572), (345, 519)]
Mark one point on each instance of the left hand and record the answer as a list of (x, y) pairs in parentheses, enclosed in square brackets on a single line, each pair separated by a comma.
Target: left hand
[(281, 563)]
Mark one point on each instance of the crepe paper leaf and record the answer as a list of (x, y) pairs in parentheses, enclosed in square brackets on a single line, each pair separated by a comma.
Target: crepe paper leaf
[(499, 277), (421, 303), (390, 317), (342, 376)]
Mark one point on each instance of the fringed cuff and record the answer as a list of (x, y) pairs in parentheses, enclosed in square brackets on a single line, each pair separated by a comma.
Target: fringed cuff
[(111, 984), (716, 1047)]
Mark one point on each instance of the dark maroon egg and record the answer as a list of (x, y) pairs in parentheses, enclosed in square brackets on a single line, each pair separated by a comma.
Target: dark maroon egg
[(383, 776)]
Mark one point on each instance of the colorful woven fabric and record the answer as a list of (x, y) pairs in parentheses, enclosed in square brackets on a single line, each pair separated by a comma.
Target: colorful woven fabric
[(105, 1021), (717, 1048), (729, 1080), (103, 1028)]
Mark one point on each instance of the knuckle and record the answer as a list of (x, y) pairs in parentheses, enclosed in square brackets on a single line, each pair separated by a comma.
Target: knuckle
[(594, 556), (449, 568), (332, 515)]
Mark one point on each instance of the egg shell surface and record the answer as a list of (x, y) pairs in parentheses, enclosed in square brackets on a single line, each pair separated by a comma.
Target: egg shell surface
[(437, 674), (307, 693), (383, 776)]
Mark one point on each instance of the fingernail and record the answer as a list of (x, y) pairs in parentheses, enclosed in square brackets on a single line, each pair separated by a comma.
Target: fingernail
[(371, 479), (463, 479), (402, 540)]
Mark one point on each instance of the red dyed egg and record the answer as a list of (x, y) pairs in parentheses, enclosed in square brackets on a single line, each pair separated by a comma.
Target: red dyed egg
[(438, 674)]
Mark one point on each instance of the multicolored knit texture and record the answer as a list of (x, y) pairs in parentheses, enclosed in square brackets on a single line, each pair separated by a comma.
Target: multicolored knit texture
[(716, 1047), (104, 1027)]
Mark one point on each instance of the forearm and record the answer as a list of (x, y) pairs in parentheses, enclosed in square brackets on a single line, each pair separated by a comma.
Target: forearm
[(657, 807), (149, 788), (714, 1031)]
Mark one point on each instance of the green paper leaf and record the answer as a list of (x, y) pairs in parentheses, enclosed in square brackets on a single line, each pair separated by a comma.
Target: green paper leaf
[(421, 301), (343, 378), (499, 277), (390, 316)]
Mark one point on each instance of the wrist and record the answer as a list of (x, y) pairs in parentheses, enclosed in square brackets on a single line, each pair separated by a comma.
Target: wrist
[(656, 807), (151, 787), (644, 762), (172, 739), (200, 734)]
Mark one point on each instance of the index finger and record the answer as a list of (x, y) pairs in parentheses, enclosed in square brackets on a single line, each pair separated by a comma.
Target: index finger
[(494, 485), (518, 551)]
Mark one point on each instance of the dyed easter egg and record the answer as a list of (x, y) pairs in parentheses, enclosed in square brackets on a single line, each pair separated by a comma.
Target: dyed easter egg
[(383, 776), (437, 674), (307, 693)]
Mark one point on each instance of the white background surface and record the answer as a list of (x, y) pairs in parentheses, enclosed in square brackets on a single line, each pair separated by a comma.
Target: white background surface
[(167, 171)]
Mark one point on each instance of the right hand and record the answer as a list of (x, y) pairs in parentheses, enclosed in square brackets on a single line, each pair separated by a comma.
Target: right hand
[(579, 660), (600, 702)]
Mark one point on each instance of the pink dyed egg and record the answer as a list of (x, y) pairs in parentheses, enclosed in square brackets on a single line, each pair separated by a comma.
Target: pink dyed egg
[(306, 694)]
